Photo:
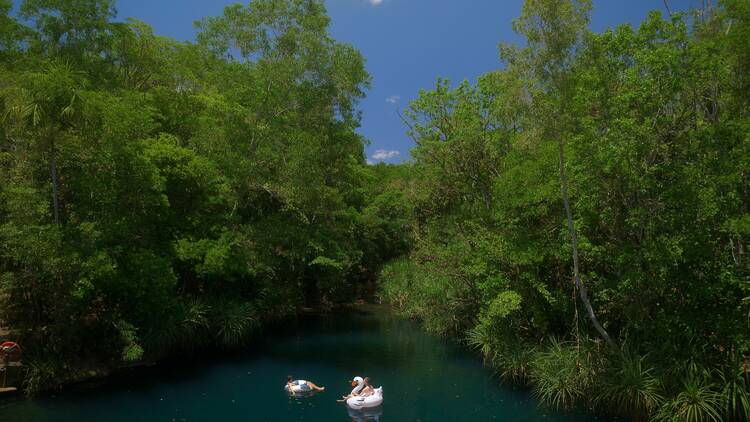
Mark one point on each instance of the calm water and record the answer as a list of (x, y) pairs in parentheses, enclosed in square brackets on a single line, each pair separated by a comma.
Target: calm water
[(423, 378)]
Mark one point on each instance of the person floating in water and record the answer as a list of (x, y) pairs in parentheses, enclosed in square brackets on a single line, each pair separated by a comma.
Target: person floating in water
[(300, 386), (359, 384), (368, 390)]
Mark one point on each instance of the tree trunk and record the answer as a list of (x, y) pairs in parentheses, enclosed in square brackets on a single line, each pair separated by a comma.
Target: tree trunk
[(574, 244), (53, 176)]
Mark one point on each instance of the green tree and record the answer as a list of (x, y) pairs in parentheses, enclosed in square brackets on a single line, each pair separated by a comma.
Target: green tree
[(553, 30), (11, 32), (78, 29), (41, 110)]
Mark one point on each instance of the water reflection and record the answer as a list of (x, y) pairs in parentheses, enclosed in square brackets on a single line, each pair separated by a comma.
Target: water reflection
[(365, 415)]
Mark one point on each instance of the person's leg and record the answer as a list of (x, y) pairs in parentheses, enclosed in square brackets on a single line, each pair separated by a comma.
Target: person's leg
[(315, 387)]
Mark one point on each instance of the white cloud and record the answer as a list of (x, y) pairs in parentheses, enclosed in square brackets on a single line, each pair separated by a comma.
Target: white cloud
[(382, 154), (376, 2), (393, 99)]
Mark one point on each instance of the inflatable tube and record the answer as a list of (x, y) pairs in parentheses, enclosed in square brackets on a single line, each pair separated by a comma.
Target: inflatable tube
[(372, 414), (10, 346), (298, 386), (10, 350), (359, 384), (373, 400)]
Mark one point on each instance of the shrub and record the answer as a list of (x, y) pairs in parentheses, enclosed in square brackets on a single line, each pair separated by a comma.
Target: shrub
[(396, 281), (131, 350), (235, 322), (514, 363), (735, 391), (41, 374), (631, 388), (561, 375), (496, 336), (481, 339), (695, 402), (443, 302), (180, 328)]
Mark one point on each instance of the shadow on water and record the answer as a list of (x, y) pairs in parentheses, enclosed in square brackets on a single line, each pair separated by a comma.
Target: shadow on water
[(424, 379)]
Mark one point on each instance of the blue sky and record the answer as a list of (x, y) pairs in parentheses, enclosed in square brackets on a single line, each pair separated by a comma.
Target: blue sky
[(407, 44)]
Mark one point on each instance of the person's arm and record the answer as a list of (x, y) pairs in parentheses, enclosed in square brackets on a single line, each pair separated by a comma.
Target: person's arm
[(354, 393)]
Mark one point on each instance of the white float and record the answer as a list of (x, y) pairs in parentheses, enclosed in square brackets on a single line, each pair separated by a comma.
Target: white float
[(298, 386), (372, 414), (359, 403)]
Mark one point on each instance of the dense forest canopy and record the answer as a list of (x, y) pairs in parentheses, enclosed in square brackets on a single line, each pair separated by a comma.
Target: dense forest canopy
[(160, 195), (581, 216), (615, 164)]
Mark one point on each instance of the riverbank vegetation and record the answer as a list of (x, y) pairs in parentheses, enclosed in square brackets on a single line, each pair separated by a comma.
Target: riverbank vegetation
[(159, 196), (581, 216)]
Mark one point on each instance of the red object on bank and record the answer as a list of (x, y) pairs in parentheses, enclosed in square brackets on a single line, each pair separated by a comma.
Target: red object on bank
[(10, 350)]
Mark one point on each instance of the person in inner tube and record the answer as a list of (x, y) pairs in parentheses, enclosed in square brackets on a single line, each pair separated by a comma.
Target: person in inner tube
[(302, 384), (368, 390)]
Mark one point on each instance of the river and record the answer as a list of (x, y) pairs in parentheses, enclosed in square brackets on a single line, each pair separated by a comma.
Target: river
[(424, 379)]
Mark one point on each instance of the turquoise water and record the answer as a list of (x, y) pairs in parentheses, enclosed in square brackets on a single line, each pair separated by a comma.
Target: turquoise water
[(423, 378)]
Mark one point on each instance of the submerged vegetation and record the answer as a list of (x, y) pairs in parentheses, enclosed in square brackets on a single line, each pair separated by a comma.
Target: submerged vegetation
[(580, 217)]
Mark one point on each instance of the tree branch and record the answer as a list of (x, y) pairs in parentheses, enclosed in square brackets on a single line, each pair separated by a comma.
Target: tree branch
[(582, 290), (669, 11), (411, 128)]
